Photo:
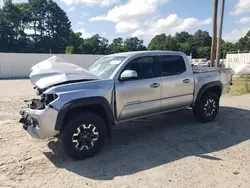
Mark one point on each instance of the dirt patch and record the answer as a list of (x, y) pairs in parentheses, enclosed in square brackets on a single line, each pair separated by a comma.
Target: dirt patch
[(170, 150)]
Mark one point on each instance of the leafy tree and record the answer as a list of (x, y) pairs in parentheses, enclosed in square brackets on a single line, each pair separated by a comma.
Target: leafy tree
[(95, 45), (12, 15), (158, 42), (228, 47), (133, 44), (163, 42), (185, 47), (76, 41), (116, 46), (37, 12), (69, 50), (58, 27), (203, 51), (170, 43), (7, 31), (244, 42), (103, 45), (202, 38), (24, 43), (184, 42), (200, 44), (24, 17), (41, 25), (182, 37)]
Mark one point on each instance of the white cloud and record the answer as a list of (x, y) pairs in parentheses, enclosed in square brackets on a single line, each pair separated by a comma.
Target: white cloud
[(207, 21), (80, 23), (104, 34), (236, 34), (187, 23), (140, 16), (173, 23), (71, 9), (91, 2), (85, 34), (138, 33), (243, 6), (169, 25), (133, 9), (97, 18), (84, 15), (124, 27), (244, 20)]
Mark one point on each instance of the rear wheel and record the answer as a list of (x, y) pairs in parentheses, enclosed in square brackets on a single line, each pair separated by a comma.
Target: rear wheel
[(83, 136), (206, 109)]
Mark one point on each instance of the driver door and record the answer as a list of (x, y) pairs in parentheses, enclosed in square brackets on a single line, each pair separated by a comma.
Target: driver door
[(141, 96)]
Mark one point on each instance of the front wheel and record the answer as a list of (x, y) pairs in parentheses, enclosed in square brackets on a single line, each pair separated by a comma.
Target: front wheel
[(206, 109), (83, 136)]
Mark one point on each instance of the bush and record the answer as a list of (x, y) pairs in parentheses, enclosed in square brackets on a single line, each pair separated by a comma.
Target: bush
[(70, 50), (241, 85)]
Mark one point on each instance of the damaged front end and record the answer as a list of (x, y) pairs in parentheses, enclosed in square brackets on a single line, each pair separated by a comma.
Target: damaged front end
[(39, 104), (35, 104), (38, 118), (29, 123)]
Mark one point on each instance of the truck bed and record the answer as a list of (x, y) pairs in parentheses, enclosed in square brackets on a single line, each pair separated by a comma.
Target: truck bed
[(206, 75), (197, 70)]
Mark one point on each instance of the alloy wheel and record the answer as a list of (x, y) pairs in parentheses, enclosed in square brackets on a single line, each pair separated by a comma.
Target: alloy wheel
[(85, 137)]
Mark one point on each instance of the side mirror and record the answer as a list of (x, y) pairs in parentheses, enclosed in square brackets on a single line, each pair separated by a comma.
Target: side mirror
[(128, 75)]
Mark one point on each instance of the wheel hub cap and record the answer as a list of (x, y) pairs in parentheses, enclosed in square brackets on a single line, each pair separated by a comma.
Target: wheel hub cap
[(85, 137), (210, 107)]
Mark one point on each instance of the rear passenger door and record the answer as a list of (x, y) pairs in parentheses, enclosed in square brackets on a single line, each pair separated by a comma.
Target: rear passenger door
[(177, 82)]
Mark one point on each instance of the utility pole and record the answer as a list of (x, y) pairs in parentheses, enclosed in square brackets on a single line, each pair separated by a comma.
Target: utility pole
[(212, 55), (220, 33)]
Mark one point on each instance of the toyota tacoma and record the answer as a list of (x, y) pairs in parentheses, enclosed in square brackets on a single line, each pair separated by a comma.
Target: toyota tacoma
[(82, 105)]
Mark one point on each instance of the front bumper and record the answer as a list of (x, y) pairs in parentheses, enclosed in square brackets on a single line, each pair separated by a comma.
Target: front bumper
[(39, 124), (29, 124)]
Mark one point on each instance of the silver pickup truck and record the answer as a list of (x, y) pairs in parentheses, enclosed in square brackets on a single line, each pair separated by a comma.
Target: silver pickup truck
[(82, 105)]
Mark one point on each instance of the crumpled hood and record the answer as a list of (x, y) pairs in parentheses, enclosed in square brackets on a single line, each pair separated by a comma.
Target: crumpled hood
[(56, 70)]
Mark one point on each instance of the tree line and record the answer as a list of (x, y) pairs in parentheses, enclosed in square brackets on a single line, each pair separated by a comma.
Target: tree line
[(41, 26)]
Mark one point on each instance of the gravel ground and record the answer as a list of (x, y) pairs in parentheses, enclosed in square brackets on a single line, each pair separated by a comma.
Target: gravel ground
[(170, 150)]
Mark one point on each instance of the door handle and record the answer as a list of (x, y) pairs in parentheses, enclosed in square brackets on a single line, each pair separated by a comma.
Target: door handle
[(155, 85), (186, 81)]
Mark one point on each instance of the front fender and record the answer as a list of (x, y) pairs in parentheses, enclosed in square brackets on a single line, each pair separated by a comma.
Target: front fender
[(81, 103)]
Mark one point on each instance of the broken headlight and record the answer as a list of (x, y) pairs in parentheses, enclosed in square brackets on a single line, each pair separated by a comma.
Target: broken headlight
[(48, 98), (39, 91)]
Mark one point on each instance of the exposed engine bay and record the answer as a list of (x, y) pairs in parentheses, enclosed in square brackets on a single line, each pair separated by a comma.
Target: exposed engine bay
[(36, 104), (39, 104)]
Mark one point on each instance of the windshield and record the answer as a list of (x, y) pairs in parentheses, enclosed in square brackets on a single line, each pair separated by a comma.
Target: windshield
[(105, 66)]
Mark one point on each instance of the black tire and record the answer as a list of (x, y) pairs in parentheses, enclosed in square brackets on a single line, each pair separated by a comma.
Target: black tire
[(206, 109), (73, 136)]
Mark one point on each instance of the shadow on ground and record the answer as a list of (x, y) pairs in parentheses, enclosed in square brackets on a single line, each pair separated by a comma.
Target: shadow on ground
[(151, 142)]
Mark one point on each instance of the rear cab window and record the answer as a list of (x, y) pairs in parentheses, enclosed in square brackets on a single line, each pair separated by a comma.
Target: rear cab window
[(171, 65)]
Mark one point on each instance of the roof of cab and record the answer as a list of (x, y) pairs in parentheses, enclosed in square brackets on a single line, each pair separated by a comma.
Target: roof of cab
[(150, 52)]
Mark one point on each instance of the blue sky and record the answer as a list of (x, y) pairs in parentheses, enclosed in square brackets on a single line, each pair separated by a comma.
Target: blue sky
[(146, 18)]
